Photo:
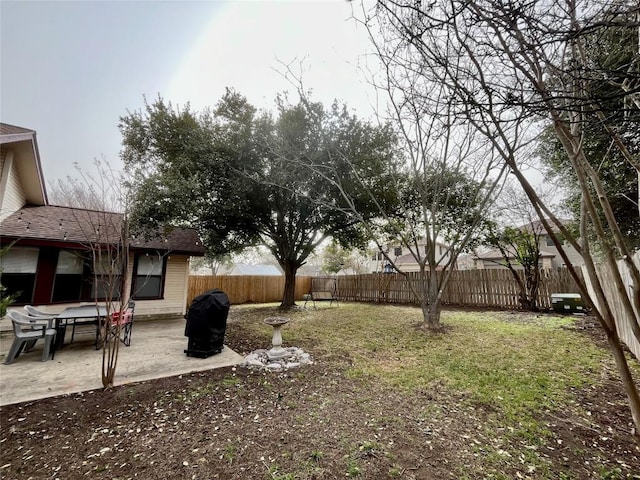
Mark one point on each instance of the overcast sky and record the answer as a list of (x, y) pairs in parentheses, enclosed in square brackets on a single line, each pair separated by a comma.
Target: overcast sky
[(69, 70)]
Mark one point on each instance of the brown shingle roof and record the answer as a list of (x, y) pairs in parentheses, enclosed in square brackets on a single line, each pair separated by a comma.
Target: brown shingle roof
[(183, 240), (79, 226)]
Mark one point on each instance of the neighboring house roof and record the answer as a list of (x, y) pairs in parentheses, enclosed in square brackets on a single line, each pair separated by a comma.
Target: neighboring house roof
[(262, 270), (407, 259), (494, 254), (309, 270), (404, 259), (56, 224), (465, 261), (538, 227), (347, 271)]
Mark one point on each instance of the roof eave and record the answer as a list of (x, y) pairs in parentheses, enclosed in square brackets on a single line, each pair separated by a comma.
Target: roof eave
[(16, 137)]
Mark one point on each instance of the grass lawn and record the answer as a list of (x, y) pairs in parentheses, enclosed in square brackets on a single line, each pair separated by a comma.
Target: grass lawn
[(497, 395)]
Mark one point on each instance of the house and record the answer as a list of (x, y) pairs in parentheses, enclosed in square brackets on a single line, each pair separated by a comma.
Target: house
[(549, 255), (404, 259), (546, 243), (51, 261), (493, 259)]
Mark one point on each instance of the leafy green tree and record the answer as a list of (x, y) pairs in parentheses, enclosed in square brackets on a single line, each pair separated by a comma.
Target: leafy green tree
[(336, 258), (520, 249), (333, 258), (612, 59), (238, 175), (516, 235)]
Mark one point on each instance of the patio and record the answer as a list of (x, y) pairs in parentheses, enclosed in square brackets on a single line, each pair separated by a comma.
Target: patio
[(156, 351)]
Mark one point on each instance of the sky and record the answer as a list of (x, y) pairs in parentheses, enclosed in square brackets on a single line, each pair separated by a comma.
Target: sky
[(70, 70)]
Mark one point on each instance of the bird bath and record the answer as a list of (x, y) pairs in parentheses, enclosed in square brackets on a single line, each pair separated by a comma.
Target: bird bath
[(276, 351)]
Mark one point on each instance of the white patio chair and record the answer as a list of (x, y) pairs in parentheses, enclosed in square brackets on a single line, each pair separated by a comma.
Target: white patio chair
[(34, 312), (28, 329)]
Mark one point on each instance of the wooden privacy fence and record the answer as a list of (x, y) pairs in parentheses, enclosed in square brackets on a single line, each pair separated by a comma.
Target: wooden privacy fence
[(623, 322), (246, 288), (467, 288), (491, 288)]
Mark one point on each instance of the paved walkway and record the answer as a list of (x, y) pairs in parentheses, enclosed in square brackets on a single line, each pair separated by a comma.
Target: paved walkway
[(156, 351)]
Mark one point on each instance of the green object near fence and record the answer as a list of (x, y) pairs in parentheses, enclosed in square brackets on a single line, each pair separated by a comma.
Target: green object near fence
[(567, 303)]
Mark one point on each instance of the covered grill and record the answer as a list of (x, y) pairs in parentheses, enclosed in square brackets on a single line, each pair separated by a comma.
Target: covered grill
[(207, 323)]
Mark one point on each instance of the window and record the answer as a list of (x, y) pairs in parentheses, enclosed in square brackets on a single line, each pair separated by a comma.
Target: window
[(549, 241), (19, 265), (397, 251), (106, 277), (148, 276), (67, 286)]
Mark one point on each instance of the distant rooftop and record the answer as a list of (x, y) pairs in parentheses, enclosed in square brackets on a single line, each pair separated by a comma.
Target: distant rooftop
[(258, 270)]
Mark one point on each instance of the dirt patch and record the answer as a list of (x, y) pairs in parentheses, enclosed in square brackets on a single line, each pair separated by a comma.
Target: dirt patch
[(316, 422)]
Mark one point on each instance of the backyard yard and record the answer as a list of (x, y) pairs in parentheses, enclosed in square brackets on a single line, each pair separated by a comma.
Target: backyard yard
[(497, 395)]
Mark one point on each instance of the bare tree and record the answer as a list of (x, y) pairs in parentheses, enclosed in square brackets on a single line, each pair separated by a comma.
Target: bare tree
[(89, 191), (445, 178), (507, 64), (106, 237)]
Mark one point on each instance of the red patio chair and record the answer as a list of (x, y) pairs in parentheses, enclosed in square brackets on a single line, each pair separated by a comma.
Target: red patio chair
[(124, 321)]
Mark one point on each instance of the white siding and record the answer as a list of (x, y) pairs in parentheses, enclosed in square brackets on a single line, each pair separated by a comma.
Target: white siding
[(13, 196)]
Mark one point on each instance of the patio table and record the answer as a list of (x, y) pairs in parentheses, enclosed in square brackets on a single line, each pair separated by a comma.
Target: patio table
[(78, 315)]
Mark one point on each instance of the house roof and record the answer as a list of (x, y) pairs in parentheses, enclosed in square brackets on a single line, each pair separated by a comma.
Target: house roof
[(56, 224), (24, 146), (538, 227), (8, 131), (309, 270), (262, 270), (408, 260), (404, 259), (494, 254)]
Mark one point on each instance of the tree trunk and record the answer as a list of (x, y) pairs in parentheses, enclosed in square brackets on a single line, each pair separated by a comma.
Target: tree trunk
[(432, 316), (532, 282), (289, 296), (432, 308)]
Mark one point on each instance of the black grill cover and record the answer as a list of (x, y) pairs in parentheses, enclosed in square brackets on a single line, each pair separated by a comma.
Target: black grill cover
[(207, 323)]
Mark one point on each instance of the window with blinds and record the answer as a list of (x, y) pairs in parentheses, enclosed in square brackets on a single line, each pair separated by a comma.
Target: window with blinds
[(19, 266), (148, 276)]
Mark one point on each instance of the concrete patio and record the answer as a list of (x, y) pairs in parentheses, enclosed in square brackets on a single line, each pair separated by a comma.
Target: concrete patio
[(156, 351)]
